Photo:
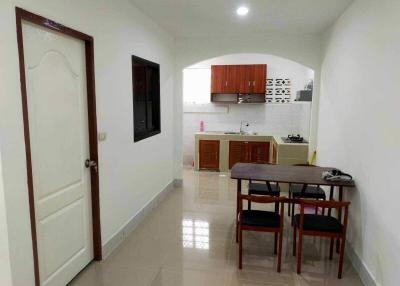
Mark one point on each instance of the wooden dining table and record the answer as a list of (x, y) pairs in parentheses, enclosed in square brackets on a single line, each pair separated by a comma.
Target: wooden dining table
[(303, 175)]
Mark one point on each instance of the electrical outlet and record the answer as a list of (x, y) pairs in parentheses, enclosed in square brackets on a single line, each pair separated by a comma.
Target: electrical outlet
[(102, 136)]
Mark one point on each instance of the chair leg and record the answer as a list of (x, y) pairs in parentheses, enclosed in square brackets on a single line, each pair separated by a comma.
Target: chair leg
[(299, 250), (240, 247), (331, 248), (294, 240), (341, 257), (276, 243), (280, 251), (237, 229), (288, 209), (249, 202), (293, 206)]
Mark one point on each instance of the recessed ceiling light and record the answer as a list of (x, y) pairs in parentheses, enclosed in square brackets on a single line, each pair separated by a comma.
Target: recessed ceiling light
[(242, 11)]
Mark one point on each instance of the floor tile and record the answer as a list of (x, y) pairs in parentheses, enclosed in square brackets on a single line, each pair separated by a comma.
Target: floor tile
[(189, 240)]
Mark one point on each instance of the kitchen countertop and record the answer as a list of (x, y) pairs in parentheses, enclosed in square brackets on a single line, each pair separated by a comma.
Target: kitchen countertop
[(221, 135)]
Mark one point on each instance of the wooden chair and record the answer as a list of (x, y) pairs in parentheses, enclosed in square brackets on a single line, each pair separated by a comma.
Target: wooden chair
[(260, 220), (320, 225), (298, 191), (263, 189)]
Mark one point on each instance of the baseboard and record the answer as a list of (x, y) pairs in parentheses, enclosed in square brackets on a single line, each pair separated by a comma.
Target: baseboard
[(130, 225), (366, 276), (178, 183)]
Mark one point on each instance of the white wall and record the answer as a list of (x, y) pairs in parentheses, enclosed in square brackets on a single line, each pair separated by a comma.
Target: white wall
[(359, 128), (274, 119), (5, 265), (130, 173), (303, 49)]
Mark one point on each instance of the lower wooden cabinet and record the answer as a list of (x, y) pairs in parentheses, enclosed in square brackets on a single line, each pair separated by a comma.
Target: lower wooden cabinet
[(248, 152), (209, 155), (258, 152), (237, 152)]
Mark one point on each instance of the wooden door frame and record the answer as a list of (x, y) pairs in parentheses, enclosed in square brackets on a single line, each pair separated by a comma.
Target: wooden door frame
[(23, 15)]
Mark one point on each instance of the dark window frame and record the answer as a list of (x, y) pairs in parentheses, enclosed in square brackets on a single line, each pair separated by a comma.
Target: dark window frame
[(156, 120)]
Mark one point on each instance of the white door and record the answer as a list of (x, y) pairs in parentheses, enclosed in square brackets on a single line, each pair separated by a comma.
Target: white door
[(58, 124)]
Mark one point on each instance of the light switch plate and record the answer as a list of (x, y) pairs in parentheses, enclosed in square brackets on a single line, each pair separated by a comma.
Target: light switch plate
[(102, 136)]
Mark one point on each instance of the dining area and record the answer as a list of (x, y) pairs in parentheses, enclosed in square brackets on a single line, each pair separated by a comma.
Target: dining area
[(311, 197), (190, 239)]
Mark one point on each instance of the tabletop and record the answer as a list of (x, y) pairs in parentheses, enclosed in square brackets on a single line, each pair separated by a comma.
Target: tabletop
[(285, 174)]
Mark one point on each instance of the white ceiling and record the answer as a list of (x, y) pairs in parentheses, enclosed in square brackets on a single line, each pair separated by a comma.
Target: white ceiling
[(193, 18)]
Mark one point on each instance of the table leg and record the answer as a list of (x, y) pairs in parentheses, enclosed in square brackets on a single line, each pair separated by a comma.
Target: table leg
[(238, 193), (339, 217)]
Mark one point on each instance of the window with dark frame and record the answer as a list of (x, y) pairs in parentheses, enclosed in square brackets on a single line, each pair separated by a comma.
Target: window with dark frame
[(146, 98)]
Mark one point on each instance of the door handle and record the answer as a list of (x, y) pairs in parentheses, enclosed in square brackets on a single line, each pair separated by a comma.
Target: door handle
[(249, 83), (254, 83), (91, 164)]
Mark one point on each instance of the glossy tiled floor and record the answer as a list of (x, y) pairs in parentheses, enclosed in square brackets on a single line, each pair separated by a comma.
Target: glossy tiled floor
[(189, 240)]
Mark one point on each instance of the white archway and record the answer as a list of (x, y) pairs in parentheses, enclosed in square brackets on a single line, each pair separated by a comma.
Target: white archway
[(302, 50)]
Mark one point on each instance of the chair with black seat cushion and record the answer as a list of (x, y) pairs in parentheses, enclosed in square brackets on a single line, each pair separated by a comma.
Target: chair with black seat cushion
[(320, 225), (263, 189), (261, 220), (297, 191)]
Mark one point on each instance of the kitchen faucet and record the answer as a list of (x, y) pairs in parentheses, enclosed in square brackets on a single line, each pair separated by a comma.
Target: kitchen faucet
[(241, 127)]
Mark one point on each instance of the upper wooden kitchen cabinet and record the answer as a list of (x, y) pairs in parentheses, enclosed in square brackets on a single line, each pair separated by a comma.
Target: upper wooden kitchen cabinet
[(259, 76), (231, 79), (243, 79), (251, 78), (218, 79), (209, 155)]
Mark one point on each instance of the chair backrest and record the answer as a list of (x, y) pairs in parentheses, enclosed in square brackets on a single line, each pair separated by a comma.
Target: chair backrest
[(267, 183), (328, 205), (323, 204), (262, 200)]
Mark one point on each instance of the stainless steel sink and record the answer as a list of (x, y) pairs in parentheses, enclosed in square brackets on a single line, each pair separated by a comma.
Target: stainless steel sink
[(232, 133)]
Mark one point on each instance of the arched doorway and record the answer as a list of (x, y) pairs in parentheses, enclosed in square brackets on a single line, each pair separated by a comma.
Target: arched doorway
[(281, 115)]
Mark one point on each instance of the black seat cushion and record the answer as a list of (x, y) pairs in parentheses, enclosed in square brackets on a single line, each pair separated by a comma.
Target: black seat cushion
[(261, 218), (313, 192), (262, 189), (319, 223)]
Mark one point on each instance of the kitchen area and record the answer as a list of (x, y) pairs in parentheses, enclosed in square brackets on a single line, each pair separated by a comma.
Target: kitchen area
[(246, 108)]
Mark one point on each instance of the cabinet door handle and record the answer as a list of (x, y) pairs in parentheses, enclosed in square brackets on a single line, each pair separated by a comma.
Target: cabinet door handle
[(254, 83), (249, 83), (226, 83)]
